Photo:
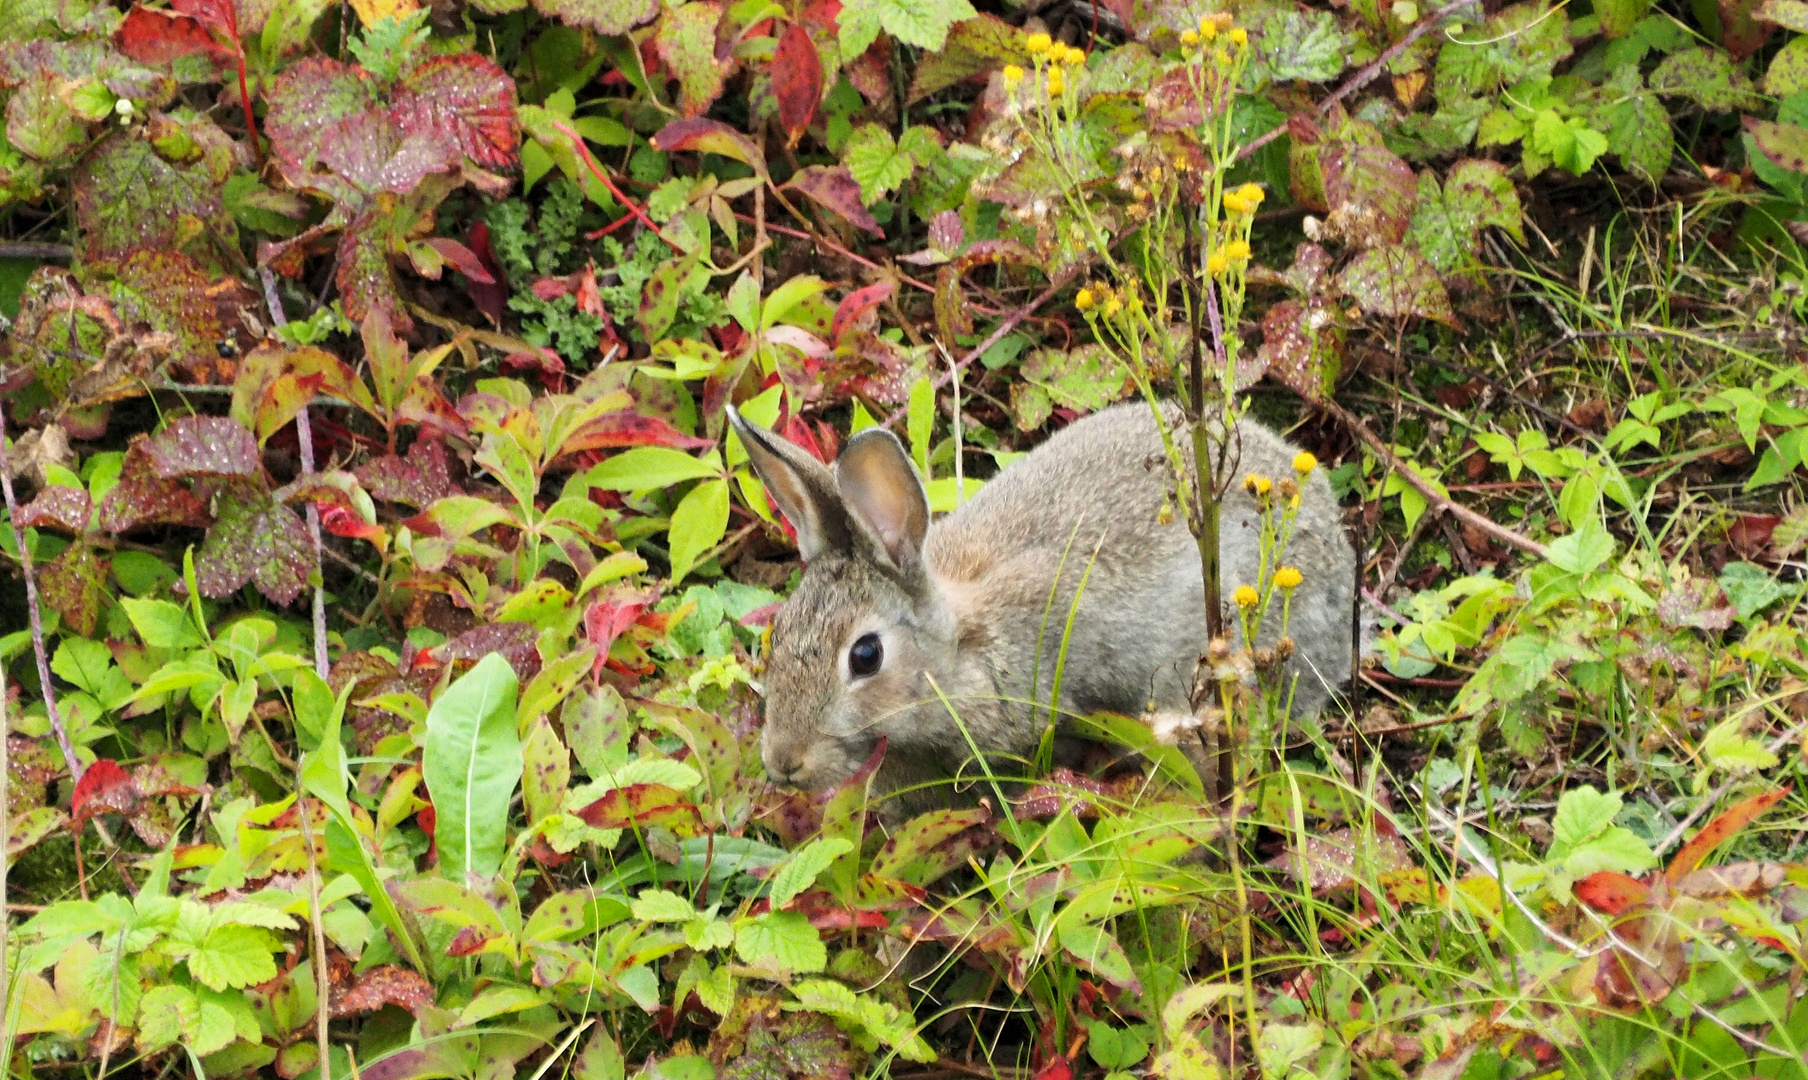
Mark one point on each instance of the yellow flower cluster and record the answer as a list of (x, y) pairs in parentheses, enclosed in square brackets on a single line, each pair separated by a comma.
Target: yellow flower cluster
[(1304, 463), (1012, 74), (1244, 200), (1218, 263), (1288, 577), (1246, 596), (1257, 484), (1101, 297)]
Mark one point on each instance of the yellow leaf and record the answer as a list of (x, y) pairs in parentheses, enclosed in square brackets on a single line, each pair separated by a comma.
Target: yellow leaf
[(372, 12)]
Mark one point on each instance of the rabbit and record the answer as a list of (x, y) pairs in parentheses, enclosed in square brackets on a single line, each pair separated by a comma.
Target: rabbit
[(900, 623)]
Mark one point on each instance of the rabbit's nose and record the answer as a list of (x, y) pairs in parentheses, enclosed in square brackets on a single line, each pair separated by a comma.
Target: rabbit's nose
[(782, 768)]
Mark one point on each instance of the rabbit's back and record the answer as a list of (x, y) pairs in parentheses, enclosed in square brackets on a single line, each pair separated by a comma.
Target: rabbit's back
[(1089, 504)]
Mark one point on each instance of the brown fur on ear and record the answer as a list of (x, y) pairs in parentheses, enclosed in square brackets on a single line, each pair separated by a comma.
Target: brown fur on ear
[(880, 488), (803, 488)]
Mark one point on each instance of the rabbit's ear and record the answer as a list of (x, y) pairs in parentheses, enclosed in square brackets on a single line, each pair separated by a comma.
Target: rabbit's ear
[(803, 487), (881, 490)]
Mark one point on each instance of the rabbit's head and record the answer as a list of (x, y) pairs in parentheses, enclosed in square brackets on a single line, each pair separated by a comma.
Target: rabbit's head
[(855, 647)]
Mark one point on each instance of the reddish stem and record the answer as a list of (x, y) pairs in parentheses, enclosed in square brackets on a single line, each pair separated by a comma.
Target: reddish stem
[(621, 196), (611, 227), (257, 146)]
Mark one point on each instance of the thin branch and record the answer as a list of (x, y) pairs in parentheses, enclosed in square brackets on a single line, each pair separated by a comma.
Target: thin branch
[(596, 170), (37, 618), (1438, 500), (304, 434), (24, 249)]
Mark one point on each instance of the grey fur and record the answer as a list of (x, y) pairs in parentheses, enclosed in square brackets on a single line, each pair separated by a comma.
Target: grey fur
[(962, 617)]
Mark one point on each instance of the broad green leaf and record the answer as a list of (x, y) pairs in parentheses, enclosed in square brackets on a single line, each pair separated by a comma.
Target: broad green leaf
[(1729, 747), (698, 525), (496, 1001), (166, 1015), (650, 468), (920, 423), (471, 764), (922, 23), (545, 771), (601, 1058), (800, 870), (1582, 814), (781, 940), (662, 905), (161, 624), (1582, 551), (233, 956)]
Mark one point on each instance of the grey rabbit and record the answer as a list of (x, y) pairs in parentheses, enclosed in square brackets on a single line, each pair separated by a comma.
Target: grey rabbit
[(899, 619)]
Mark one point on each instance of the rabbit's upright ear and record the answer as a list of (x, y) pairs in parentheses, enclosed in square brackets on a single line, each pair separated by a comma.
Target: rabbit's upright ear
[(881, 490), (803, 487)]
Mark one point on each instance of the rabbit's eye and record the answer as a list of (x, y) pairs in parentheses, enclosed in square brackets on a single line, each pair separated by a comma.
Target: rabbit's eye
[(866, 655)]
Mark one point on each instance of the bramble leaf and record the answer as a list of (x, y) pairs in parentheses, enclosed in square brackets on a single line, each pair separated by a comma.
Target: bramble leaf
[(255, 539), (204, 446)]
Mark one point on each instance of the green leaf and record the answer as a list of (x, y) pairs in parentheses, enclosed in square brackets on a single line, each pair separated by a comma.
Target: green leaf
[(1751, 588), (880, 165), (498, 1000), (89, 665), (601, 1058), (651, 468), (1582, 551), (1568, 142), (781, 940), (698, 525), (1582, 815), (923, 23), (165, 1015), (1729, 747), (920, 423), (161, 624), (1117, 1048), (1093, 948), (1707, 77), (471, 765), (233, 956), (662, 905), (800, 870)]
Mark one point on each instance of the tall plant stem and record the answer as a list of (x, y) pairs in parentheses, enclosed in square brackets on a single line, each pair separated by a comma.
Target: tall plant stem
[(31, 604), (1205, 523), (304, 434)]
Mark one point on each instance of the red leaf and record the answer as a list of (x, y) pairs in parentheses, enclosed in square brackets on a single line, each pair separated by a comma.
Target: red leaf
[(641, 805), (469, 941), (463, 259), (796, 80), (856, 304), (492, 298), (156, 38), (1057, 1069), (58, 507), (103, 788), (605, 621), (386, 985), (1719, 831), (341, 521), (204, 446), (1612, 893), (220, 16), (465, 101), (709, 137), (628, 428), (834, 188), (1750, 535)]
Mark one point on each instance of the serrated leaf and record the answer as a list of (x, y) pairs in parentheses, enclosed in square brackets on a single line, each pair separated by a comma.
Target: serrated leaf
[(233, 956), (127, 197), (255, 539), (165, 1015), (686, 40), (1707, 77), (661, 905), (1729, 747), (1583, 813), (923, 23), (1307, 46), (204, 446), (800, 871), (464, 101), (1396, 283), (74, 584), (606, 17), (781, 940)]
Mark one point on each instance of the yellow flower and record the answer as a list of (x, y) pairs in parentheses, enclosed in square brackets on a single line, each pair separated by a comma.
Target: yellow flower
[(1237, 250), (1239, 35), (1039, 43), (1057, 52), (1075, 57), (1216, 264), (1288, 577), (1189, 38), (1113, 306), (1056, 83), (1235, 203), (1012, 74), (1304, 462), (1246, 596), (1251, 194), (1084, 299), (1208, 28), (1257, 484), (1223, 58)]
